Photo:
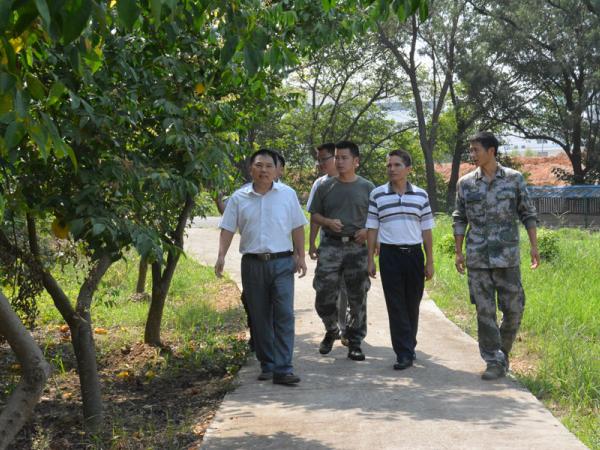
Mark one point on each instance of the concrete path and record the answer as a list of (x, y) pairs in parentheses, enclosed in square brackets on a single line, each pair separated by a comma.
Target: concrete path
[(440, 403)]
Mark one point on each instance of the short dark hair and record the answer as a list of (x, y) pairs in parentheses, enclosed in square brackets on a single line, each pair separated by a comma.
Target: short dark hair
[(350, 146), (280, 158), (486, 139), (403, 155), (329, 147), (264, 151)]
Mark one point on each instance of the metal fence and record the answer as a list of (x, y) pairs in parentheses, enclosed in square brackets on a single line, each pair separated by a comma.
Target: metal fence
[(570, 206)]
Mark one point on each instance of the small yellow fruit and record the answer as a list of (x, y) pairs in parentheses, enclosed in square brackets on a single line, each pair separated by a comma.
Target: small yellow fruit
[(124, 374), (64, 328), (100, 330), (199, 89), (60, 229)]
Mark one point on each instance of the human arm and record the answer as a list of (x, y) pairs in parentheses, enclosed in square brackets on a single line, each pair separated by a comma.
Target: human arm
[(459, 259), (428, 246), (360, 236), (225, 239), (331, 224), (312, 237), (299, 258), (372, 248), (535, 255)]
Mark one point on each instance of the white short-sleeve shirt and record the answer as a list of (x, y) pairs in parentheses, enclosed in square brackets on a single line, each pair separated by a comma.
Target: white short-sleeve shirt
[(400, 219), (265, 221), (313, 189)]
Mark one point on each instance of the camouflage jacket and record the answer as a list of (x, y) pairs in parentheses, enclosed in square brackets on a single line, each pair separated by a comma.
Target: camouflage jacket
[(491, 211)]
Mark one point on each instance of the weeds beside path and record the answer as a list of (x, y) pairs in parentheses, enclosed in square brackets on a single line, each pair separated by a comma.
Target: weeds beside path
[(557, 353), (153, 399)]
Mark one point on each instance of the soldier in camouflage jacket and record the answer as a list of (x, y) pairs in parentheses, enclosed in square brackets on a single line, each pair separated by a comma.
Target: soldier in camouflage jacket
[(489, 201)]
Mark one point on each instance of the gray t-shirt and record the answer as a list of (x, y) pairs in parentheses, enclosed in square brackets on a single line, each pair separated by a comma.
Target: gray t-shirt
[(348, 202)]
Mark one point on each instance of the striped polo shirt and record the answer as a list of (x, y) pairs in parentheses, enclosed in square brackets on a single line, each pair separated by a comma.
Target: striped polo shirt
[(399, 218)]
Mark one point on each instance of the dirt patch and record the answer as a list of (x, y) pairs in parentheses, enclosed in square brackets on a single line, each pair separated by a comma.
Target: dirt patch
[(153, 398), (539, 169)]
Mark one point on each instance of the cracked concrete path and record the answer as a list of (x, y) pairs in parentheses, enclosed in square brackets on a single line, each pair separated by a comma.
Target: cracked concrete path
[(440, 403)]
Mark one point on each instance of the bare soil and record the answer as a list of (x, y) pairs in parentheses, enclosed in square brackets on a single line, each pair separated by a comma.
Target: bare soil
[(538, 169), (153, 398)]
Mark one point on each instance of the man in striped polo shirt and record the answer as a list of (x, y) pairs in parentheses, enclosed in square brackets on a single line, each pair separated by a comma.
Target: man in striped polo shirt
[(401, 218)]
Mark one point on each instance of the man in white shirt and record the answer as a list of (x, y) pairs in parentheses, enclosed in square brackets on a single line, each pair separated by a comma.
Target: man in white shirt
[(267, 213), (400, 216)]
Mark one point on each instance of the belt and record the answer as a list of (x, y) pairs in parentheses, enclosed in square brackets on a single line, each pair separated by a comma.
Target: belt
[(404, 247), (269, 256), (340, 238)]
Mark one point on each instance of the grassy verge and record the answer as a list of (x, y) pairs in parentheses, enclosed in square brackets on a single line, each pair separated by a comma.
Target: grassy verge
[(152, 398), (557, 353)]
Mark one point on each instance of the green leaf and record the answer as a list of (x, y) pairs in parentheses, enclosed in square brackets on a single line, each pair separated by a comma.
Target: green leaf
[(75, 18), (39, 136), (14, 134), (56, 91), (128, 12), (5, 7), (42, 8), (156, 7), (327, 5), (252, 59), (35, 87), (6, 103), (228, 49), (98, 228), (424, 10)]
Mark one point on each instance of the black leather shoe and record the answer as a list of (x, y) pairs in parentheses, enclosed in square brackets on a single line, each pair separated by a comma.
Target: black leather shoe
[(287, 379), (327, 343), (265, 376), (356, 354), (404, 362)]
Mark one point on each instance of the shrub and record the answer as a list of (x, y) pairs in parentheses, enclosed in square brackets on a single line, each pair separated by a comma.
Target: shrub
[(446, 244), (548, 244)]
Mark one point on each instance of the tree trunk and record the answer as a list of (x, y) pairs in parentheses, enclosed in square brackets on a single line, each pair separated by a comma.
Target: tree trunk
[(161, 282), (82, 338), (35, 372), (454, 172), (142, 272), (431, 181), (80, 325)]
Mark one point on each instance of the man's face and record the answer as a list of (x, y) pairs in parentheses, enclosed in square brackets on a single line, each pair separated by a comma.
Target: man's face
[(480, 155), (263, 170), (396, 169), (345, 162), (326, 162)]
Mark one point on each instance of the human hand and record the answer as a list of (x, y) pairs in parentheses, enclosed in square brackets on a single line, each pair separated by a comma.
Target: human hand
[(372, 268), (312, 252), (535, 258), (429, 270), (335, 225), (360, 236), (460, 263), (301, 266), (219, 265)]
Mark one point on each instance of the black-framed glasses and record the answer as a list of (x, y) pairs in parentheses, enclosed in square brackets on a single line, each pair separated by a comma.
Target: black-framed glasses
[(322, 160)]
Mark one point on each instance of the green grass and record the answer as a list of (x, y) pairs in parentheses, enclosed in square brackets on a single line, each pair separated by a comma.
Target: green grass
[(559, 340), (190, 320)]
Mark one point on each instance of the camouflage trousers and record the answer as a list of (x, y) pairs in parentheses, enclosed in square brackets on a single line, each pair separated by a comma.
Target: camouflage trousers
[(485, 285), (347, 262)]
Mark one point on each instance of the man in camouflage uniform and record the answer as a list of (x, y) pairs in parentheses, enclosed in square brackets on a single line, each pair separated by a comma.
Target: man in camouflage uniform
[(340, 207), (490, 200)]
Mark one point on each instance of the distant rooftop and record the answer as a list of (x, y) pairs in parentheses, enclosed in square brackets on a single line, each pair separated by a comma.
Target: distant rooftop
[(580, 191)]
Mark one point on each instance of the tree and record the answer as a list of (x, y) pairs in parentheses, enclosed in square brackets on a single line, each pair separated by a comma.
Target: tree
[(60, 97), (438, 39), (548, 62)]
